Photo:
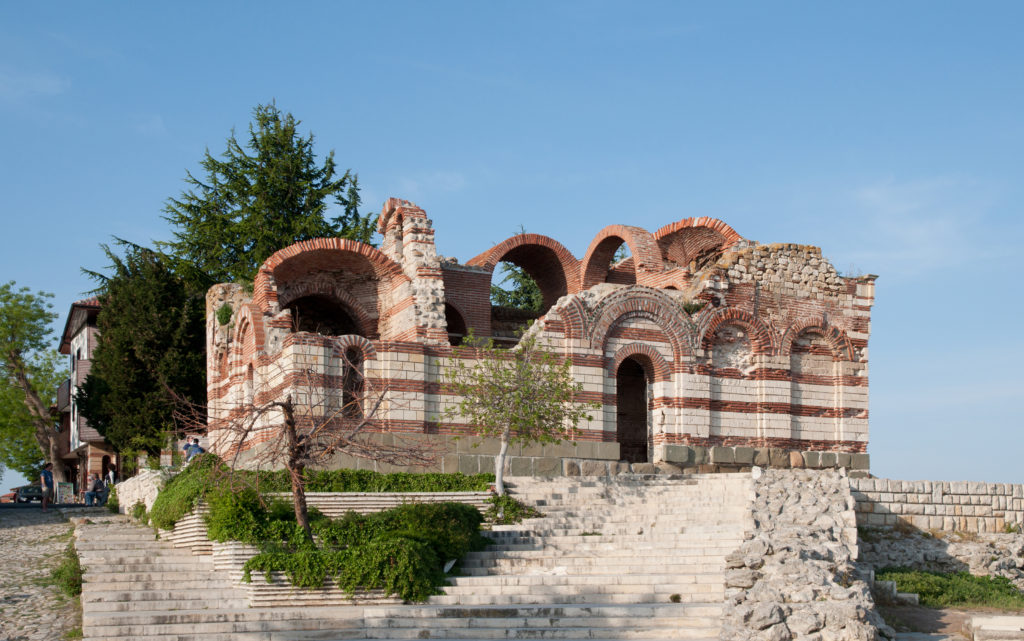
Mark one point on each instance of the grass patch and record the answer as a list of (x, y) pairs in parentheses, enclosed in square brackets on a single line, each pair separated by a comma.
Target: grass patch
[(955, 589), (67, 576), (73, 633)]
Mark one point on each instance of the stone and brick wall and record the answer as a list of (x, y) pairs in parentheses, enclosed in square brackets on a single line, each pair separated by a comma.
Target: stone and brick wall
[(751, 354), (950, 506)]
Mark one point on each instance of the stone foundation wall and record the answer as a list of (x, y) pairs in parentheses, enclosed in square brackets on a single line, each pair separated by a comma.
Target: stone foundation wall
[(948, 506), (795, 577)]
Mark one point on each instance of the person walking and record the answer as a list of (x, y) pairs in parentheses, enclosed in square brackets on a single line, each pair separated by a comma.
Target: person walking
[(46, 481)]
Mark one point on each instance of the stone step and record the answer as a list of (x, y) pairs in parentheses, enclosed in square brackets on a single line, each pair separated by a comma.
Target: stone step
[(172, 578), (151, 567), (715, 578), (214, 595), (560, 591), (221, 620), (199, 602), (552, 609), (664, 545), (128, 585), (598, 566), (634, 632), (470, 598)]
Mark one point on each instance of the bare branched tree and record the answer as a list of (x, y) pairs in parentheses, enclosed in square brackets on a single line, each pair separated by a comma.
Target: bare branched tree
[(301, 418)]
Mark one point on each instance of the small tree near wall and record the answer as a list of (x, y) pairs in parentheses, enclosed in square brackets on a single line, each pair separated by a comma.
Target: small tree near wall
[(523, 395), (306, 426)]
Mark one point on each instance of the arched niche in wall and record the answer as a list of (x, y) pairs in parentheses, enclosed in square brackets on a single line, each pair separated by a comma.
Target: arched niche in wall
[(813, 392), (334, 285), (323, 314), (732, 360)]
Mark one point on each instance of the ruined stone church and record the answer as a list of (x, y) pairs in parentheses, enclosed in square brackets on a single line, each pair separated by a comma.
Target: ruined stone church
[(705, 350)]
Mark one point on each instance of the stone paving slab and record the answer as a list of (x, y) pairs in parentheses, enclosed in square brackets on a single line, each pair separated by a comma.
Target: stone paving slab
[(31, 544)]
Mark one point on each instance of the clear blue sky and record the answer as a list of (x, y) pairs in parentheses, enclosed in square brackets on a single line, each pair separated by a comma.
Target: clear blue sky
[(889, 134)]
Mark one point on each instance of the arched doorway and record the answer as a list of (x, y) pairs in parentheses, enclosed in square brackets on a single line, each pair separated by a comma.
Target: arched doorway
[(631, 412)]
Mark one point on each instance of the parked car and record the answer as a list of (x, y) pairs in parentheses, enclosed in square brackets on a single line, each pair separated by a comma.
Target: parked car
[(8, 498), (27, 493)]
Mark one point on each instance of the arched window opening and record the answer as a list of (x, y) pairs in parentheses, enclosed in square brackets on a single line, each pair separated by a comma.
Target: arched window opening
[(352, 384), (323, 315), (610, 261), (631, 391), (621, 268), (456, 325), (516, 301)]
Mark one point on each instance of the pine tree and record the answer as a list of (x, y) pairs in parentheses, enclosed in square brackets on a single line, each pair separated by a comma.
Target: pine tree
[(260, 198), (151, 343)]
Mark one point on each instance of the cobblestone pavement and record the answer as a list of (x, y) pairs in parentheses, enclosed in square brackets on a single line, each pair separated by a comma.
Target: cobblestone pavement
[(31, 544)]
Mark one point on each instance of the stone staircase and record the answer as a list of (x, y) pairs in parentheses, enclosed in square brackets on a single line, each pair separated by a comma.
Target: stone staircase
[(633, 557), (136, 587)]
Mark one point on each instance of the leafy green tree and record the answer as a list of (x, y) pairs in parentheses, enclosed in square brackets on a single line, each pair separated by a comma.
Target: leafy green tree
[(151, 343), (31, 373), (259, 198), (523, 395)]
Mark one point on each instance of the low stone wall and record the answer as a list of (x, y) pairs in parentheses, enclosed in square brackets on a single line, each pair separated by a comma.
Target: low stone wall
[(949, 506), (795, 577), (732, 458), (143, 487)]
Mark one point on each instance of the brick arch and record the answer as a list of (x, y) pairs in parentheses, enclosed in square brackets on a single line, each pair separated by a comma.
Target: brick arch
[(576, 319), (367, 323), (838, 341), (249, 335), (692, 238), (318, 254), (641, 302), (762, 339), (548, 262), (652, 361), (642, 245), (344, 343)]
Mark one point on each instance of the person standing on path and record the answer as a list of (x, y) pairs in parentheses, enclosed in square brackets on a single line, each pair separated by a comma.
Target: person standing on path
[(46, 481)]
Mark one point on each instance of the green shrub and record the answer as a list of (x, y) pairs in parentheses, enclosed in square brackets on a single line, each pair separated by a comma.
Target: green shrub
[(67, 576), (205, 473), (403, 567), (224, 314), (139, 512), (370, 481), (957, 589), (450, 529), (506, 509), (401, 551), (112, 503)]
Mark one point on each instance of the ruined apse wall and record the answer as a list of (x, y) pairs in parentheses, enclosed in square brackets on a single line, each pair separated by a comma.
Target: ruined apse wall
[(704, 349)]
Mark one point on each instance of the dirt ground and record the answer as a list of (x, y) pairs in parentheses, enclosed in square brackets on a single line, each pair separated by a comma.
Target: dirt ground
[(913, 618)]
